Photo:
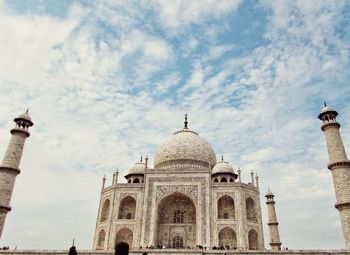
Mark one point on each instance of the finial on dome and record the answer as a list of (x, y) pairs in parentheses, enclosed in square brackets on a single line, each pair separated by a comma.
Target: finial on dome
[(222, 157), (186, 122), (324, 102), (27, 110), (141, 159)]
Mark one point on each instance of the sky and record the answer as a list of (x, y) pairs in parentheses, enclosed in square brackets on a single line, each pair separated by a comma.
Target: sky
[(107, 81)]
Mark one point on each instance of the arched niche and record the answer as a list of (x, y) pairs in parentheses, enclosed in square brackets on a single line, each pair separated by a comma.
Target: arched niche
[(127, 208), (250, 209), (253, 240), (176, 220), (124, 235), (226, 207), (101, 239), (105, 210), (227, 238)]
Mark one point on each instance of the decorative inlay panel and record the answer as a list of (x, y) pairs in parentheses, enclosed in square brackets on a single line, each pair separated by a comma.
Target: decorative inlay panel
[(190, 190), (128, 226), (230, 194), (133, 195)]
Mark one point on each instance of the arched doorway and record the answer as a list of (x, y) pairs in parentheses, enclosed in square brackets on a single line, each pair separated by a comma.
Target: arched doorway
[(122, 249), (176, 222), (227, 238), (124, 236)]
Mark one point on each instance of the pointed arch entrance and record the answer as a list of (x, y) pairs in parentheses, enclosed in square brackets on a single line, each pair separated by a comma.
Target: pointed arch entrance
[(124, 236), (176, 222)]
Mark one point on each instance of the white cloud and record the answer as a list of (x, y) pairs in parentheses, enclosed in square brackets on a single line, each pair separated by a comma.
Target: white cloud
[(179, 12)]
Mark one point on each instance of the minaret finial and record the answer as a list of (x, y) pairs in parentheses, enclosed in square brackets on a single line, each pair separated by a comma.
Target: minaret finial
[(141, 159), (186, 122), (324, 102)]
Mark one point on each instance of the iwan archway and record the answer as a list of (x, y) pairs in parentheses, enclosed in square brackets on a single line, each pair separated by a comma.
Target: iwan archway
[(176, 222)]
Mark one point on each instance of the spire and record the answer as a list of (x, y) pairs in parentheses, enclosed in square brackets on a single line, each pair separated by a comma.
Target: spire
[(146, 163), (257, 181), (324, 102), (27, 111), (186, 122), (239, 174), (113, 178), (141, 159), (116, 176), (103, 182), (222, 157)]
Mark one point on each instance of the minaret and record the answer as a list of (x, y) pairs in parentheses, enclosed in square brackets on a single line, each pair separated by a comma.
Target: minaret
[(9, 167), (339, 166), (275, 242)]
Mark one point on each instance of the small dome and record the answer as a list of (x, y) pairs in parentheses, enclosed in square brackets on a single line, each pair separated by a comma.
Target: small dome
[(138, 168), (327, 109), (182, 147), (269, 193), (222, 167), (24, 116)]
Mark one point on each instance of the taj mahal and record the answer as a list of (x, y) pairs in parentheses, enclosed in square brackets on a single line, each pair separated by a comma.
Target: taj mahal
[(189, 199)]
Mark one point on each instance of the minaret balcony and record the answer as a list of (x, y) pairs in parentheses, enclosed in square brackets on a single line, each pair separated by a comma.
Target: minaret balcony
[(334, 165), (341, 206), (328, 124), (20, 130), (4, 208), (10, 169)]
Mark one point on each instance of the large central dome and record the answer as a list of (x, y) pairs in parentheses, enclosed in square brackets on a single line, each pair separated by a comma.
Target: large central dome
[(184, 147)]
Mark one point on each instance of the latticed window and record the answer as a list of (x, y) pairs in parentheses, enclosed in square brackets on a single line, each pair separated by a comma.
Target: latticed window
[(178, 242), (179, 216)]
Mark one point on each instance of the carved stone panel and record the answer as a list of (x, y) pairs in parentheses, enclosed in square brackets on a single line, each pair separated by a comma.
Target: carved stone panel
[(191, 190)]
